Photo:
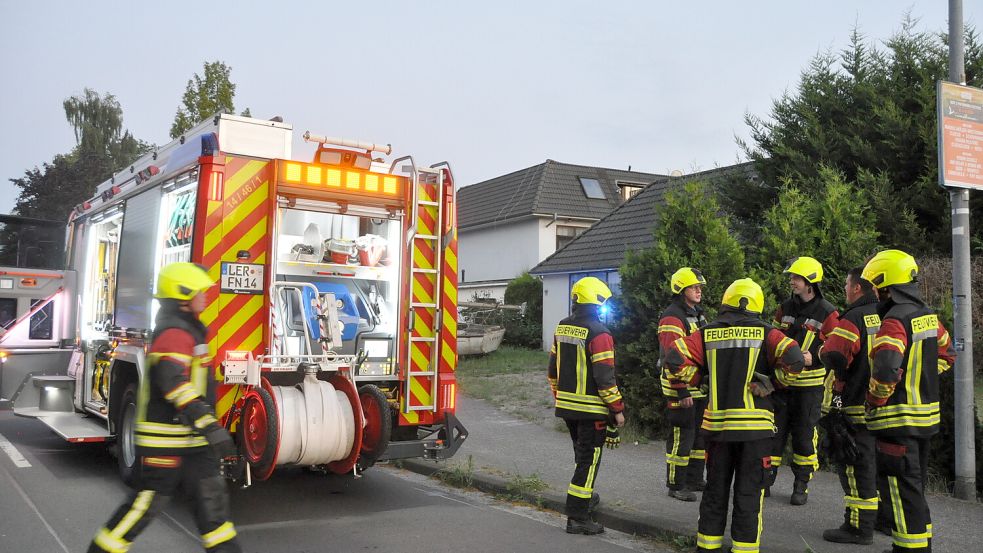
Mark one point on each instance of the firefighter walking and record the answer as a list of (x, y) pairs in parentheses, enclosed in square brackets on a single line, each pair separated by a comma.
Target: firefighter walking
[(911, 349), (846, 354), (803, 317), (741, 357), (178, 439), (581, 375), (684, 403)]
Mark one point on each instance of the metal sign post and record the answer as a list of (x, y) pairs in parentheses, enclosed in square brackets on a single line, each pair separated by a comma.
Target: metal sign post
[(960, 169)]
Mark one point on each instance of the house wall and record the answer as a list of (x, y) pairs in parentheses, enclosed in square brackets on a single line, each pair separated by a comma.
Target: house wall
[(556, 297), (500, 252), (556, 305), (477, 292), (506, 251)]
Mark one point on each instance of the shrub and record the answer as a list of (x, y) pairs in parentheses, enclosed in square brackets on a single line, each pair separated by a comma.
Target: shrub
[(690, 232), (524, 329)]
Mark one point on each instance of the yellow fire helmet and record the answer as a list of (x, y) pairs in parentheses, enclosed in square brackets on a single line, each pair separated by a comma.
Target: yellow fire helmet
[(890, 267), (182, 281), (687, 276), (807, 268), (590, 290), (745, 294)]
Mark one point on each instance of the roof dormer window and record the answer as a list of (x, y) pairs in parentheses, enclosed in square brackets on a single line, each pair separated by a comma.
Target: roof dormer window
[(592, 188), (629, 189)]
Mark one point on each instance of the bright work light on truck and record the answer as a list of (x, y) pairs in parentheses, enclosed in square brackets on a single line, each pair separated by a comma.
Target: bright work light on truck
[(352, 181)]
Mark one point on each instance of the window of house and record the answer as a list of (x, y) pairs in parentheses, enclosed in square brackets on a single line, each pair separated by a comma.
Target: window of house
[(629, 189), (565, 234), (592, 188)]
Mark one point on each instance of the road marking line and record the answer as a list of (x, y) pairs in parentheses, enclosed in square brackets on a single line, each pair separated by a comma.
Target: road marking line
[(34, 508), (181, 527), (12, 452)]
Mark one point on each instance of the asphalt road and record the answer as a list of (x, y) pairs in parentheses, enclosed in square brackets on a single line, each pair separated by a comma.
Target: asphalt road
[(54, 495)]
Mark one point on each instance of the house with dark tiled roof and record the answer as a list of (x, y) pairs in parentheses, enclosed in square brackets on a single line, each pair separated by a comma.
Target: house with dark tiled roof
[(508, 224), (600, 250)]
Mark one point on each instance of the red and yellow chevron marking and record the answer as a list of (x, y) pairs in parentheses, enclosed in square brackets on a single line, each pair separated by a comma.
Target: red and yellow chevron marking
[(238, 221), (448, 306), (423, 290)]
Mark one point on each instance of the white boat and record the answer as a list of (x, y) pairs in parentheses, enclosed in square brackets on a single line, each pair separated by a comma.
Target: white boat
[(475, 339)]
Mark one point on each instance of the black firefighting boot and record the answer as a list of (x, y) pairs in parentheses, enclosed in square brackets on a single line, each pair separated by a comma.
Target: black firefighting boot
[(848, 534), (595, 500), (587, 527), (800, 493), (683, 495)]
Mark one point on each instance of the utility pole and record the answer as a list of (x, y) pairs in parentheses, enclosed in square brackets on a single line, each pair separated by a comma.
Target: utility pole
[(962, 299)]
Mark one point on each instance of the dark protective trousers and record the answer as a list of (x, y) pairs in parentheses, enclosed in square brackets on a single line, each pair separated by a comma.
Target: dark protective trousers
[(685, 454), (859, 482), (743, 464), (588, 443), (160, 478), (902, 462), (796, 414)]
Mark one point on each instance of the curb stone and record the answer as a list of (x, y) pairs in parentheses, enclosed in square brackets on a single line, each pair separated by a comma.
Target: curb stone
[(610, 517)]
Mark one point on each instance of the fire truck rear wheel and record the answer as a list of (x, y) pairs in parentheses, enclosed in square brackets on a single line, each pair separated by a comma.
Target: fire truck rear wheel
[(378, 424), (259, 432), (125, 448)]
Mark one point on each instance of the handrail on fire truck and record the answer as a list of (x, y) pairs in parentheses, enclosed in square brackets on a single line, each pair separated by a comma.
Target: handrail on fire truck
[(349, 143)]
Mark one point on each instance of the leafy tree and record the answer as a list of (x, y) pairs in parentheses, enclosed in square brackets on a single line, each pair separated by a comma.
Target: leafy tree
[(869, 112), (205, 96), (825, 218), (103, 147), (690, 232)]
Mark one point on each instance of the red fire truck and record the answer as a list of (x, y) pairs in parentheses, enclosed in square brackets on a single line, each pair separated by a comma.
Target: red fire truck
[(333, 321)]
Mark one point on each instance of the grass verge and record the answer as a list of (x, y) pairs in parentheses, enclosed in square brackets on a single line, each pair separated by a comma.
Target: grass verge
[(512, 379), (458, 475)]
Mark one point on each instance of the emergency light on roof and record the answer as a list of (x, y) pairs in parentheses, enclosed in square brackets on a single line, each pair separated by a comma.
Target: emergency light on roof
[(344, 180)]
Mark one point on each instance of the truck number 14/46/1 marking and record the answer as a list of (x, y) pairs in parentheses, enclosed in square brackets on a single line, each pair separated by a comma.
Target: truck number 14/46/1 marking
[(242, 278)]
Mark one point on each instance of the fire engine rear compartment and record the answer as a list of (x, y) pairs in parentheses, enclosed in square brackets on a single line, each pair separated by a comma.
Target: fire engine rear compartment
[(326, 322)]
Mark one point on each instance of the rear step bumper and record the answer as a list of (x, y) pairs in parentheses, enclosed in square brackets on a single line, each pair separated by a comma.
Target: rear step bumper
[(74, 427), (442, 443)]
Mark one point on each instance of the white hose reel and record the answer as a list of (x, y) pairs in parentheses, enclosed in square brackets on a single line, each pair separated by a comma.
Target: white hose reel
[(317, 424)]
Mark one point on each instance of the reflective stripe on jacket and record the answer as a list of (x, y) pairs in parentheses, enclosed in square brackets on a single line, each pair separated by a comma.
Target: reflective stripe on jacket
[(911, 349), (678, 321), (581, 367), (806, 323), (731, 353), (174, 402), (847, 353)]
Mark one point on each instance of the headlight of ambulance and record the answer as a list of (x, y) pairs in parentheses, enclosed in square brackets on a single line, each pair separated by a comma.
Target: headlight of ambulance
[(378, 358)]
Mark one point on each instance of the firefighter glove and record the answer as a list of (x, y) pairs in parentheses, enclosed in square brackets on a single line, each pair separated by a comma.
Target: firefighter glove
[(220, 440), (761, 385), (839, 440), (612, 438)]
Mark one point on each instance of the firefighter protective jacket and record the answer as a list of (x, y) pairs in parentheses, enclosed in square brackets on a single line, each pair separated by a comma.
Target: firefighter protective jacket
[(678, 321), (807, 323), (581, 367), (174, 403), (911, 349), (730, 353), (846, 352)]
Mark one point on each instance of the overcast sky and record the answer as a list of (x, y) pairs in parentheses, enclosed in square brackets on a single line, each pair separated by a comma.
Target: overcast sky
[(492, 87)]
